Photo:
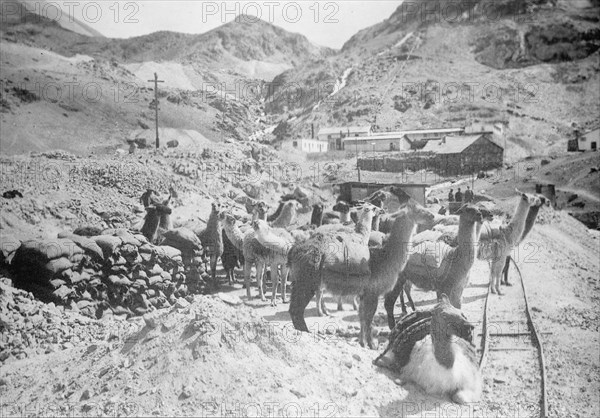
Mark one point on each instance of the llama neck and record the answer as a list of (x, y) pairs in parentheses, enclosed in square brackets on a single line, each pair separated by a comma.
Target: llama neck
[(375, 224), (467, 241), (345, 217), (275, 215), (442, 345), (235, 235), (150, 226), (316, 217), (530, 221), (396, 249), (517, 223), (165, 222), (478, 226), (259, 215), (287, 217)]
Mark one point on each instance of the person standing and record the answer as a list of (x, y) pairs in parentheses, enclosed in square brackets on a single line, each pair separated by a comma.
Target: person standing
[(451, 196), (458, 196), (468, 195)]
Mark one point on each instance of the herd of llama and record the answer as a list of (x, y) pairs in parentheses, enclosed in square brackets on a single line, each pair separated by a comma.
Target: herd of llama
[(361, 250)]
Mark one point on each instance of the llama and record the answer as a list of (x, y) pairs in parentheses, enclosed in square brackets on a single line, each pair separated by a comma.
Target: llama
[(272, 217), (287, 216), (277, 242), (253, 252), (212, 239), (154, 215), (434, 349), (362, 231), (500, 241), (434, 265), (231, 258), (529, 222), (347, 267)]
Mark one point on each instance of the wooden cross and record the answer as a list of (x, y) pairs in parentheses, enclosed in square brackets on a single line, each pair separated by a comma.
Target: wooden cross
[(156, 81)]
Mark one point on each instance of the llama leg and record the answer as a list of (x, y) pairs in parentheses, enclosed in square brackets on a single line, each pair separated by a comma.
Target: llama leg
[(366, 312), (340, 305), (275, 280), (302, 292), (247, 271), (407, 288), (284, 278), (464, 396), (321, 308), (497, 266), (390, 301), (505, 272), (355, 303), (260, 269), (213, 268)]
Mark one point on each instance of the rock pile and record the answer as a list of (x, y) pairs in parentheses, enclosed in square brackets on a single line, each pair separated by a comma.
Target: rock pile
[(28, 326), (115, 273)]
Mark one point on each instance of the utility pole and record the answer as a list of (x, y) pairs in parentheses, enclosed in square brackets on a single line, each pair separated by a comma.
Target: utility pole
[(156, 81), (356, 149)]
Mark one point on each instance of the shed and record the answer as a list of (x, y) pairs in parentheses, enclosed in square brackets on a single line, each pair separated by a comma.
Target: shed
[(466, 153), (589, 141)]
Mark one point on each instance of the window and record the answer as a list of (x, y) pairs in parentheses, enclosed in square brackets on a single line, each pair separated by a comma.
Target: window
[(295, 144)]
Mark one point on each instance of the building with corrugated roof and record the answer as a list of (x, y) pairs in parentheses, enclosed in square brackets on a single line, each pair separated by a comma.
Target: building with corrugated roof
[(466, 153)]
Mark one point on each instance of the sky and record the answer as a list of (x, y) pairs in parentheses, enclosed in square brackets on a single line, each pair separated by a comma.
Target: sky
[(326, 23)]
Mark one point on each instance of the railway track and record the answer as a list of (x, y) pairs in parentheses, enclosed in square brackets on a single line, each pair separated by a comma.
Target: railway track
[(510, 348)]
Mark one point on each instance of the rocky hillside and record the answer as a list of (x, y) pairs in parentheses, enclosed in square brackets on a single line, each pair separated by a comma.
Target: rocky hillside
[(535, 66), (249, 46)]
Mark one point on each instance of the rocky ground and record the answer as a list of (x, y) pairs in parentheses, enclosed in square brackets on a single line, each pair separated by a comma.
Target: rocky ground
[(220, 353)]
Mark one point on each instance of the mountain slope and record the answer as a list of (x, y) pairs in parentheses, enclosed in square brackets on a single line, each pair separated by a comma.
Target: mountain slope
[(252, 48), (407, 72), (53, 10), (66, 90)]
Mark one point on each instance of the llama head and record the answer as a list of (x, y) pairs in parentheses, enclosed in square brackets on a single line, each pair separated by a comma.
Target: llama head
[(543, 200), (366, 213), (418, 213), (447, 321), (401, 195), (318, 208), (341, 207), (260, 227), (532, 200), (379, 198), (227, 218), (158, 209), (260, 209), (470, 213), (486, 214)]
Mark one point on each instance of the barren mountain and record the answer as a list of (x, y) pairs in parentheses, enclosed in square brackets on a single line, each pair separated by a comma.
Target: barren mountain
[(531, 64), (92, 93)]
